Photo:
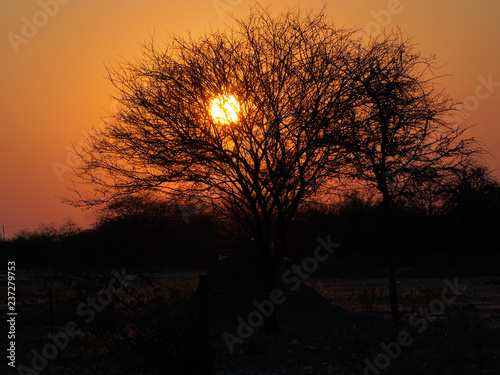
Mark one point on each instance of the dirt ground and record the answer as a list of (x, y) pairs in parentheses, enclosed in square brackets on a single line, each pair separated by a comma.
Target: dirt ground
[(461, 336), (462, 339)]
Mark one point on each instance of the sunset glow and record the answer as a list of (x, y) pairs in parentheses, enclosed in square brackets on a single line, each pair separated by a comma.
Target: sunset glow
[(246, 179), (224, 109), (54, 67)]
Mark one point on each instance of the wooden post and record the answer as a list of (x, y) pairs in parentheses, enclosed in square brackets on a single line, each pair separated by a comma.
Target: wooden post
[(204, 306), (51, 316), (207, 359), (51, 307)]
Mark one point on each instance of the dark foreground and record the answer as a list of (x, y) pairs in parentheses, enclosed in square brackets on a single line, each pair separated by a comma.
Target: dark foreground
[(124, 323)]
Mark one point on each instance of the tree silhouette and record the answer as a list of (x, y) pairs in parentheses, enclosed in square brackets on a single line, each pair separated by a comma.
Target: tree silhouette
[(283, 98), (400, 131), (256, 119)]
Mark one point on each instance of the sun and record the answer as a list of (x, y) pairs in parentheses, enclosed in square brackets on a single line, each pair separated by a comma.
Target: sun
[(224, 109)]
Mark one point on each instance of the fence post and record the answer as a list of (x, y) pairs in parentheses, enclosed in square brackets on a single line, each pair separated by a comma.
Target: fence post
[(204, 306), (207, 353)]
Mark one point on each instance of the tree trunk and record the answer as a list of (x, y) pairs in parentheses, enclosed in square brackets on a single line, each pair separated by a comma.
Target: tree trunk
[(271, 248), (271, 325), (389, 247), (393, 292)]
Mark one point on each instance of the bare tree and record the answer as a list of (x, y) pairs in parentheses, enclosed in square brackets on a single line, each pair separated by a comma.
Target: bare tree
[(399, 127), (250, 118)]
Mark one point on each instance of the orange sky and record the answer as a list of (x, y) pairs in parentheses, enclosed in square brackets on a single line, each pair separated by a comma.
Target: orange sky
[(53, 86)]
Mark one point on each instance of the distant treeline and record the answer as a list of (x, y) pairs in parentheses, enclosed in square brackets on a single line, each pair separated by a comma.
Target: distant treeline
[(458, 235)]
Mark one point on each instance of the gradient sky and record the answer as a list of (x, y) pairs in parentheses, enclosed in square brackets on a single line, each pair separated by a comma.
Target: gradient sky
[(53, 86)]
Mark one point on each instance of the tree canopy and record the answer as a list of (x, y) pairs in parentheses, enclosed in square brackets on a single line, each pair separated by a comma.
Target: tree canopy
[(261, 116), (285, 79)]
